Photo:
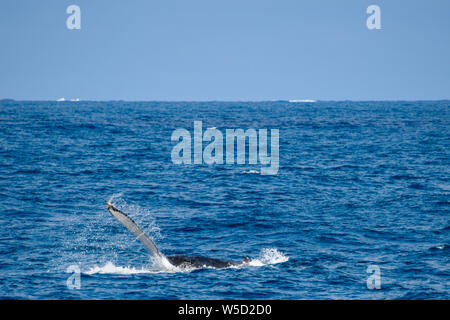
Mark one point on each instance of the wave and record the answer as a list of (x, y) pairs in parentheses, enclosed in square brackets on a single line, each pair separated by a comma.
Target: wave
[(441, 247), (267, 256)]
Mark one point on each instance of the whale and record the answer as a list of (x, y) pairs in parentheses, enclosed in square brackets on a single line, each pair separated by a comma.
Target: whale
[(182, 261)]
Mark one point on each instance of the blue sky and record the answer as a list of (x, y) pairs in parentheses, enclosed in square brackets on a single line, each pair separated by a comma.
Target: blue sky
[(225, 50)]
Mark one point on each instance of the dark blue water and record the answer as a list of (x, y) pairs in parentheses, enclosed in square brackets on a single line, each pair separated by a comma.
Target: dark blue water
[(359, 184)]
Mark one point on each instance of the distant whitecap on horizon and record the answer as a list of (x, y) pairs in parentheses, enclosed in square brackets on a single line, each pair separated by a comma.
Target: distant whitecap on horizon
[(302, 100)]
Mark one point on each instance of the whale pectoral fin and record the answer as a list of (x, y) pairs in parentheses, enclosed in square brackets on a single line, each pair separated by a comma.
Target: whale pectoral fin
[(128, 223)]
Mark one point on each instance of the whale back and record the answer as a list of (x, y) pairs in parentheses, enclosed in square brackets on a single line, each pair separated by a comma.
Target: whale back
[(199, 262)]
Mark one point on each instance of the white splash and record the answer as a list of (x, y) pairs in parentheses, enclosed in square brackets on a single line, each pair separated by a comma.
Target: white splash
[(110, 268), (157, 265), (268, 256)]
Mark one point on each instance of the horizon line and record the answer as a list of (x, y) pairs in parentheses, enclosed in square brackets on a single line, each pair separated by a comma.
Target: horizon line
[(217, 100)]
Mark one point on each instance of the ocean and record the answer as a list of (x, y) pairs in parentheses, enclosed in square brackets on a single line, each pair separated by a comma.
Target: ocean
[(359, 207)]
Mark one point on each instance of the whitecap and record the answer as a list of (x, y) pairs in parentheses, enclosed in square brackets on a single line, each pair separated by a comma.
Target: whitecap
[(302, 100)]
